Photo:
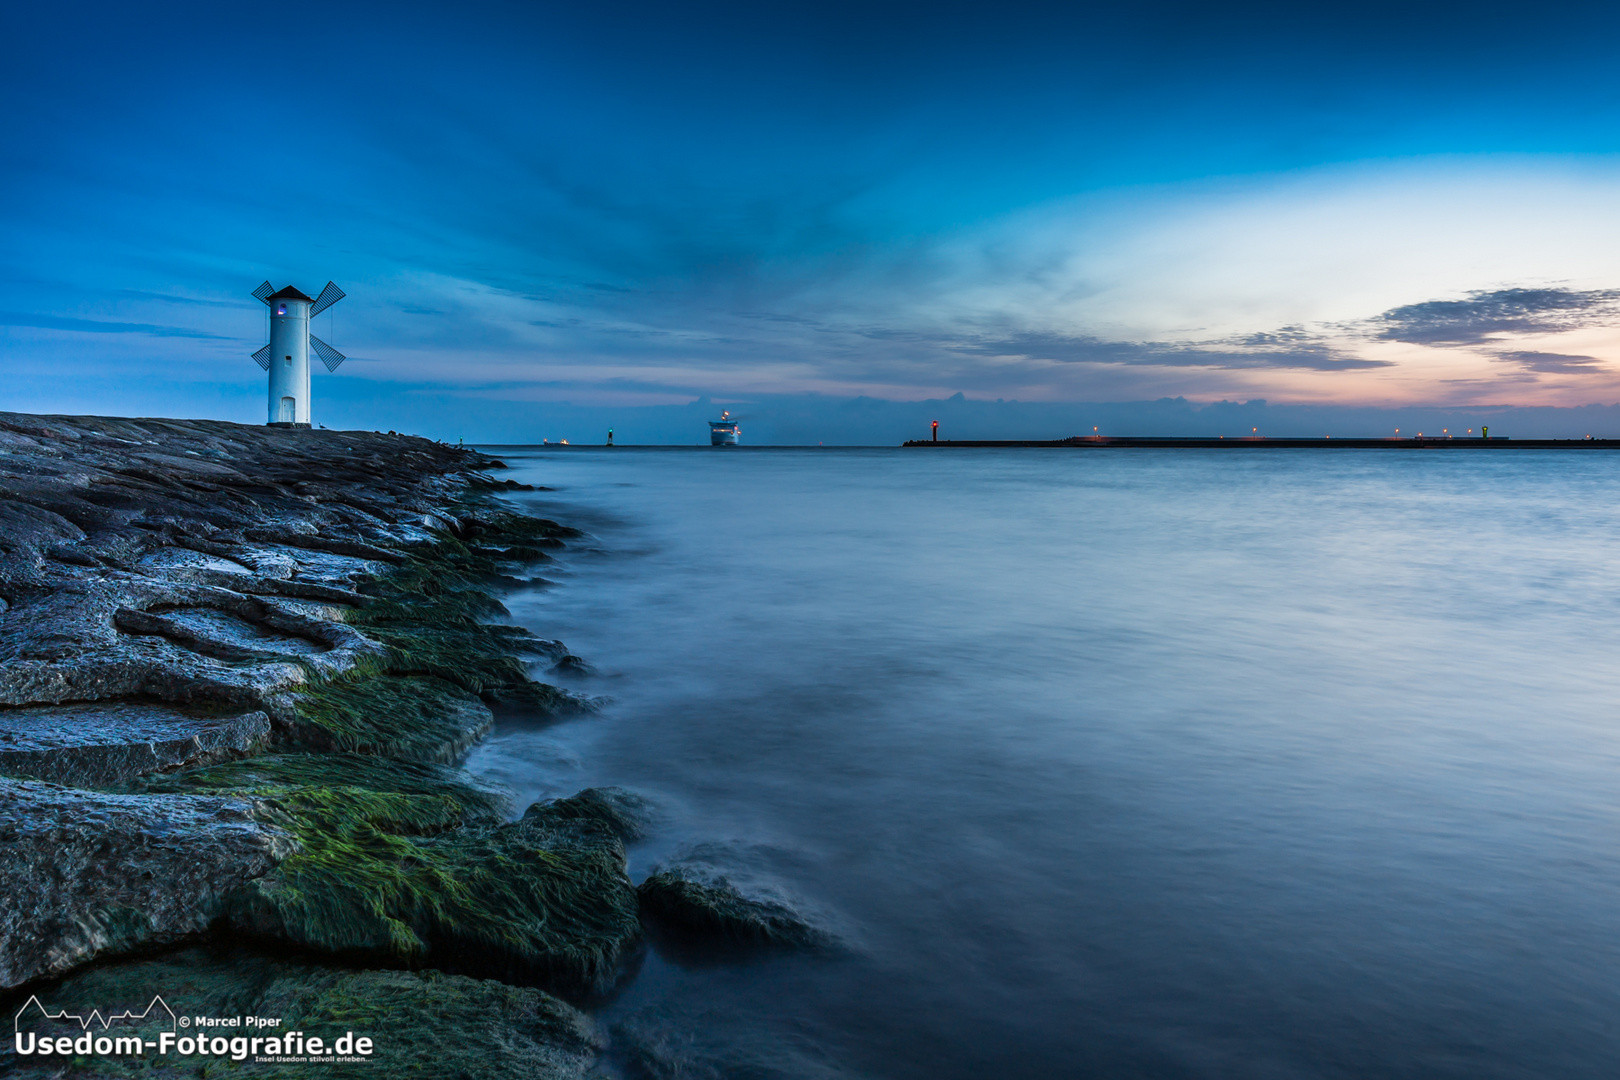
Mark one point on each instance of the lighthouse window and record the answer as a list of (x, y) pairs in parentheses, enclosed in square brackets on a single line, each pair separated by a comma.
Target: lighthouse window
[(281, 309), (289, 361)]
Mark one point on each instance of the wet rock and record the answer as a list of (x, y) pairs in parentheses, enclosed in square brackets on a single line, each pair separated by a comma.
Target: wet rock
[(624, 812), (691, 906), (449, 1026), (388, 877), (541, 700), (272, 776), (105, 744), (226, 578), (86, 873), (552, 649), (412, 717), (115, 529)]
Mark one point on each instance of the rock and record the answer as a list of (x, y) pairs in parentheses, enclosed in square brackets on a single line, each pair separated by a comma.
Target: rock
[(453, 1027), (271, 776), (573, 665), (105, 744), (413, 718), (141, 556), (535, 700), (86, 873), (624, 812), (692, 907), (179, 593), (388, 877)]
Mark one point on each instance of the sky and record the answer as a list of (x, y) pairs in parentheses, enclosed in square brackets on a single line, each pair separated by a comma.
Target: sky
[(556, 216)]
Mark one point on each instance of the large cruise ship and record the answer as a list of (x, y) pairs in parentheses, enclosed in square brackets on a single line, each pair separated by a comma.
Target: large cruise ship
[(724, 431)]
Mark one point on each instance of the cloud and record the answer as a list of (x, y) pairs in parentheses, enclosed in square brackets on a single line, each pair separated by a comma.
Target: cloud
[(1453, 323), (1291, 347), (95, 326), (1556, 363)]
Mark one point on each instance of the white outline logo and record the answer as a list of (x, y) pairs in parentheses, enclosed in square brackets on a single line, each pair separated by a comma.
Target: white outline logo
[(95, 1014)]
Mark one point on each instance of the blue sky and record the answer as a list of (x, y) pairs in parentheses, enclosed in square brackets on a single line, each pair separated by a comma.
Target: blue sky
[(541, 208)]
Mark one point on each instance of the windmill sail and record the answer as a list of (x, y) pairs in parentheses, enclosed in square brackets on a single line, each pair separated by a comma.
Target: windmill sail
[(329, 356), (329, 296), (262, 358), (264, 291)]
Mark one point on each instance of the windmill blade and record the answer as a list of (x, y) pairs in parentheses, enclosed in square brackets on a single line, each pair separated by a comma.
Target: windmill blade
[(264, 292), (329, 296), (262, 358), (329, 356)]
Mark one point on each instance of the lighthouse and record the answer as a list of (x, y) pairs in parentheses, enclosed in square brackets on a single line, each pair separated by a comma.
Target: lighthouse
[(286, 358)]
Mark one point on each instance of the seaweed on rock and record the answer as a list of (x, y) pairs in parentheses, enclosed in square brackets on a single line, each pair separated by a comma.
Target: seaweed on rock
[(427, 698), (382, 875), (352, 836), (451, 1026), (687, 908), (410, 717), (433, 615), (275, 774), (624, 812)]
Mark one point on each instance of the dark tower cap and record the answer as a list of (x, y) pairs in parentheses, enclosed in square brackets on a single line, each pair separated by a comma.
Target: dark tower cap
[(289, 293)]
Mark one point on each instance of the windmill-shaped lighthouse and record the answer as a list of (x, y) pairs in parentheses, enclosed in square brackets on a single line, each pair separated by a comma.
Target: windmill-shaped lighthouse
[(286, 358)]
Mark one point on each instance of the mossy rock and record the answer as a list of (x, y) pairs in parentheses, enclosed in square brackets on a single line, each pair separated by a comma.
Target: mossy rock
[(624, 812), (410, 717), (491, 521), (688, 909), (518, 553), (410, 865), (427, 1023), (540, 701), (387, 877), (434, 619), (275, 775)]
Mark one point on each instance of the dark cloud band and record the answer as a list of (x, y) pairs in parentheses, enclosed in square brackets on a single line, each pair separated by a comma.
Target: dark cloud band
[(1454, 323)]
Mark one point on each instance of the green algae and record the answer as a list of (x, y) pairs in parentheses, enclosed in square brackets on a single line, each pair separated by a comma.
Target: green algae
[(422, 1024), (403, 862), (623, 812), (409, 717), (408, 865), (543, 900), (273, 775), (432, 628), (433, 613), (421, 700), (686, 909)]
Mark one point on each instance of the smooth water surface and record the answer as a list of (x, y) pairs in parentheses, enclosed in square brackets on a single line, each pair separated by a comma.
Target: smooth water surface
[(1135, 763)]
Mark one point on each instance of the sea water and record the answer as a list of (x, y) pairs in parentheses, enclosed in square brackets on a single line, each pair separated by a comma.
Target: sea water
[(1124, 763)]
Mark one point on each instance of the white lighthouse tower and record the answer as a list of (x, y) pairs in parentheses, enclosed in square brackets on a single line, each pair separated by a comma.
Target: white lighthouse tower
[(286, 358)]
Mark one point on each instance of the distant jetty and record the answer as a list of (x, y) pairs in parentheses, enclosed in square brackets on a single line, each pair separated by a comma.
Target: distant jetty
[(1260, 442)]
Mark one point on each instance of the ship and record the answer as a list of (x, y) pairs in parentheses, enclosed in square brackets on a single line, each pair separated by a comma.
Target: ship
[(724, 431)]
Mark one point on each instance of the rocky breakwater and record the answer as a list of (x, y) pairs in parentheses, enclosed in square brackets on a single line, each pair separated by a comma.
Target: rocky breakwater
[(237, 665)]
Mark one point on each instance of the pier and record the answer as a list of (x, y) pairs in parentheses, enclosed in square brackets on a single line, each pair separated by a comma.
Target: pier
[(1260, 442)]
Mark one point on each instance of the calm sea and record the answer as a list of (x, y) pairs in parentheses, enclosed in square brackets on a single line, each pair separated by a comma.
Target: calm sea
[(1136, 763)]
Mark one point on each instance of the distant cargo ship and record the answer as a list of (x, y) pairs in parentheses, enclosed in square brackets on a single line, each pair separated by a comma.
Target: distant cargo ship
[(724, 431)]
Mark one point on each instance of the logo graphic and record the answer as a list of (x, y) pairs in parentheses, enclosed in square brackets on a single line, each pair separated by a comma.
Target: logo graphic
[(84, 1022), (157, 1031)]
